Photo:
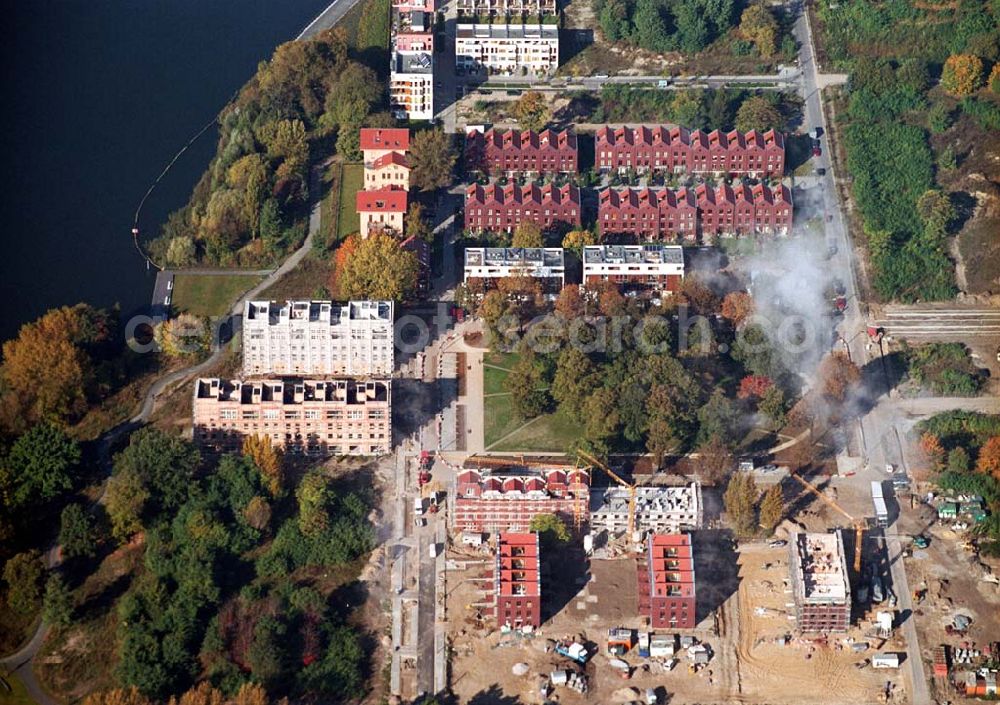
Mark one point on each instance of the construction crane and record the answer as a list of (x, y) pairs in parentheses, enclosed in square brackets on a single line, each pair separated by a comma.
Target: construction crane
[(614, 476), (859, 526)]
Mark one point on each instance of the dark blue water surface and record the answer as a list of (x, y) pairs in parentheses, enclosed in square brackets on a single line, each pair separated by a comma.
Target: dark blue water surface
[(98, 95)]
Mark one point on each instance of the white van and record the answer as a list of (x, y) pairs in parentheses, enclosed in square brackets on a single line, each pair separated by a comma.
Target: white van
[(433, 550)]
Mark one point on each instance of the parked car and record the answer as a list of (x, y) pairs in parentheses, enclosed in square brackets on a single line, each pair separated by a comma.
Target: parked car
[(820, 171), (817, 151)]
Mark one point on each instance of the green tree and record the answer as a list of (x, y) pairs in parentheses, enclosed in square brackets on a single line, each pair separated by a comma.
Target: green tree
[(551, 530), (692, 26), (351, 98), (772, 508), (936, 212), (76, 532), (774, 405), (526, 386), (939, 118), (528, 234), (758, 113), (613, 20), (432, 160), (270, 223), (165, 464), (378, 268), (721, 418), (573, 382), (267, 655), (959, 461), (125, 501), (532, 111), (41, 465), (602, 420), (23, 574), (57, 606), (740, 500), (313, 496), (649, 27), (339, 672)]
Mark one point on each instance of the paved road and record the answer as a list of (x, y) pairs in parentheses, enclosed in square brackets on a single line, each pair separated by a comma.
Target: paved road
[(20, 662), (327, 18), (852, 331)]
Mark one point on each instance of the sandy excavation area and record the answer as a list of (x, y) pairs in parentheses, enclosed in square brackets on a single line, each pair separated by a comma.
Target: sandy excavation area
[(589, 597)]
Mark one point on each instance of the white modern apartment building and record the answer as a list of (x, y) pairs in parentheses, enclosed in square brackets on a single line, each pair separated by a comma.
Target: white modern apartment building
[(507, 48), (318, 338), (656, 267), (411, 80), (491, 263)]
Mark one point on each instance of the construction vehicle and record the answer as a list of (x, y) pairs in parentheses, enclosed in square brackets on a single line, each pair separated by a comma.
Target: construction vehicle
[(574, 651), (614, 476), (859, 526)]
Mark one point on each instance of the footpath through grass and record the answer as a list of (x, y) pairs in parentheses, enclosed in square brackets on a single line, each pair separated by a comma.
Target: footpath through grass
[(210, 294), (549, 432)]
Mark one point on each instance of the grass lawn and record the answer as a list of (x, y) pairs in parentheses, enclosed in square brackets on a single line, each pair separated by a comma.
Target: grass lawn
[(550, 432), (303, 282), (210, 294), (353, 181), (330, 210), (12, 691)]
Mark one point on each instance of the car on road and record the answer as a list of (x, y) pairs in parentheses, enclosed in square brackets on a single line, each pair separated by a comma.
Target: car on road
[(820, 171), (601, 75), (663, 83), (777, 543), (817, 151)]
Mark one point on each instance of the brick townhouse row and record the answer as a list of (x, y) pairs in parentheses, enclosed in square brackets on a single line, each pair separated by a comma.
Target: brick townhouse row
[(679, 150), (684, 213), (512, 151), (502, 208)]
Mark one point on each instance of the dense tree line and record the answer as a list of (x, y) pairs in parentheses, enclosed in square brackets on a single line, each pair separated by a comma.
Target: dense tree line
[(892, 166), (250, 204), (708, 109), (666, 25), (217, 591)]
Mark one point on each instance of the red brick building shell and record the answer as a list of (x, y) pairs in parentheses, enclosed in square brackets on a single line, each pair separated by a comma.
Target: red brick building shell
[(679, 150), (496, 207), (512, 151), (667, 583), (518, 581), (488, 502), (683, 214)]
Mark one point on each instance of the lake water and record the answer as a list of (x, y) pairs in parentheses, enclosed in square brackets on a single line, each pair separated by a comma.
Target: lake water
[(98, 95)]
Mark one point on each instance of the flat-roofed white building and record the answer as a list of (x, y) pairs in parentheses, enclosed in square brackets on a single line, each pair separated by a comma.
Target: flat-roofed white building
[(656, 267), (657, 509), (485, 263), (318, 338), (507, 48)]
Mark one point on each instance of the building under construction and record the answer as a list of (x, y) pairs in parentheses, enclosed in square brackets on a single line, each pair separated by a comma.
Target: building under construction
[(666, 582), (820, 583), (506, 497), (657, 509), (518, 581)]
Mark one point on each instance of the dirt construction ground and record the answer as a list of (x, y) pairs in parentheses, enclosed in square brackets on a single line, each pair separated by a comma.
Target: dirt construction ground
[(747, 665)]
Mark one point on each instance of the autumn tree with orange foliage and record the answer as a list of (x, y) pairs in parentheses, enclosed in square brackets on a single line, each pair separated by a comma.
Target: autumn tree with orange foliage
[(962, 74), (737, 306), (570, 303), (989, 458), (49, 368), (374, 268), (933, 450), (699, 296)]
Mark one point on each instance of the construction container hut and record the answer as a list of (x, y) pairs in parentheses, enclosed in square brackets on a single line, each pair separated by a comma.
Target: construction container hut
[(948, 510), (885, 660)]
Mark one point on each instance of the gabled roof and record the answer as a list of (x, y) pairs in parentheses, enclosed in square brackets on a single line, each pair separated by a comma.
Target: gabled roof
[(394, 158), (386, 200), (385, 138)]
